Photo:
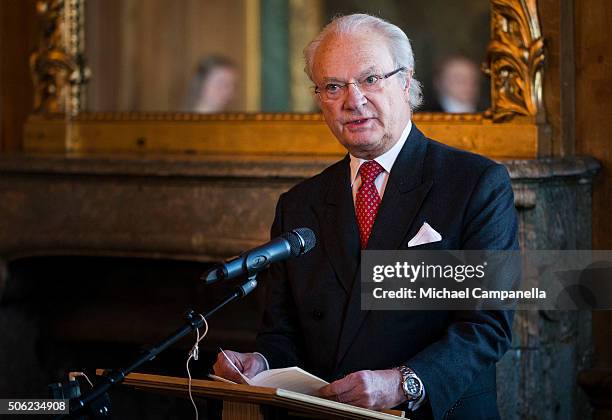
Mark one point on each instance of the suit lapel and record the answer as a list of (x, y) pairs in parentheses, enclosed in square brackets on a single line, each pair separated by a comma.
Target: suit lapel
[(404, 194), (339, 231), (405, 191)]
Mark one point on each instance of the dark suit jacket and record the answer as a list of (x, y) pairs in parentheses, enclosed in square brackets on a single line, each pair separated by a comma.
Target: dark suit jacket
[(313, 317)]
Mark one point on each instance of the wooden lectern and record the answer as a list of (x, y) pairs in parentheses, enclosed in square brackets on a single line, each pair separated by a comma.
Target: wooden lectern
[(244, 402)]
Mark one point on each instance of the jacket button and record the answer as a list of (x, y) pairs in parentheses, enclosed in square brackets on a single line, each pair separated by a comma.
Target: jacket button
[(317, 314)]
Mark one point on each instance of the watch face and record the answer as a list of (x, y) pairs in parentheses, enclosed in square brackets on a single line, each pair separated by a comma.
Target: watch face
[(412, 386)]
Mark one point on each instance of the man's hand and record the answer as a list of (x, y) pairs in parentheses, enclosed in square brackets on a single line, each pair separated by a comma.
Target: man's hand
[(250, 364), (373, 389)]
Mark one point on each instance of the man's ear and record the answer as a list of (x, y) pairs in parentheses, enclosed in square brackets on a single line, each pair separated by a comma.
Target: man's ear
[(407, 82)]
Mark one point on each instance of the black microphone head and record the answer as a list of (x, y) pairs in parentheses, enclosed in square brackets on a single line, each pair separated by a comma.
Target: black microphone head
[(301, 240)]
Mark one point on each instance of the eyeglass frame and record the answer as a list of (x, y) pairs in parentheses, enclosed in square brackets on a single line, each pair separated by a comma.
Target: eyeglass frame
[(317, 89)]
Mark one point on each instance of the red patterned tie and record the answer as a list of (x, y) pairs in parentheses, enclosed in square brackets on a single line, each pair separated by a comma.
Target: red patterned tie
[(367, 200)]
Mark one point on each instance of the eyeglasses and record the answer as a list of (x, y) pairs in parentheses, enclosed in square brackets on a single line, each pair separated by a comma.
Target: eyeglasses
[(367, 84)]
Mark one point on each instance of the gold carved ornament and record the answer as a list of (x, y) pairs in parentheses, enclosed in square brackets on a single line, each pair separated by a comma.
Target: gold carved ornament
[(57, 67), (515, 59)]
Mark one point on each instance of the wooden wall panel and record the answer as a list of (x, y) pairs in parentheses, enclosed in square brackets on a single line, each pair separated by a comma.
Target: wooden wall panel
[(142, 53), (594, 132), (559, 76), (18, 26)]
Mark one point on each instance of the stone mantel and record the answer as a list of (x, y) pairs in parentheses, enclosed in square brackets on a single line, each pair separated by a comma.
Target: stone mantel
[(174, 166), (183, 207), (216, 166)]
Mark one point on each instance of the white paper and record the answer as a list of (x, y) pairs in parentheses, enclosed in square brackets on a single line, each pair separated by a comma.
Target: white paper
[(291, 378)]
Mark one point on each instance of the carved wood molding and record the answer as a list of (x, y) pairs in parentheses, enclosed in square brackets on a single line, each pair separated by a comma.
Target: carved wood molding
[(243, 116), (515, 59), (57, 66)]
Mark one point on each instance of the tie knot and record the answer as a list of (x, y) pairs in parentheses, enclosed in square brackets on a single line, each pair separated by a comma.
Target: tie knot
[(369, 171)]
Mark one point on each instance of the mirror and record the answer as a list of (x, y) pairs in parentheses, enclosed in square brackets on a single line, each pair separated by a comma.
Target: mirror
[(513, 126), (160, 55)]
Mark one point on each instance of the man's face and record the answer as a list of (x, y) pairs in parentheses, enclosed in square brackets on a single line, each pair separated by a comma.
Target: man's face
[(366, 124)]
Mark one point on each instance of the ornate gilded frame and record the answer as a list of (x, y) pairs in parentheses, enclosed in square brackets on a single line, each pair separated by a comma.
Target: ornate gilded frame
[(514, 126)]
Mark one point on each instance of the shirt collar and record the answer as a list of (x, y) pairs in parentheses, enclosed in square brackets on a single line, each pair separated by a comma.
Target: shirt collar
[(386, 160)]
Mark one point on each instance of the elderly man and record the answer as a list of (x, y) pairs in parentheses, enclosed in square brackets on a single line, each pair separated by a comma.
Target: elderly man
[(436, 363)]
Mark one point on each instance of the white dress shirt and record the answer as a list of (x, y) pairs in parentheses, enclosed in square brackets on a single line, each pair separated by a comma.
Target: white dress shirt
[(386, 160)]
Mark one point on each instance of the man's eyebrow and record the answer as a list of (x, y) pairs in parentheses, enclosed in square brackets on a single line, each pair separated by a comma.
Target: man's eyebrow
[(367, 72), (332, 79)]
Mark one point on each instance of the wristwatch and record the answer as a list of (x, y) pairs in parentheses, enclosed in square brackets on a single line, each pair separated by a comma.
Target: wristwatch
[(411, 384)]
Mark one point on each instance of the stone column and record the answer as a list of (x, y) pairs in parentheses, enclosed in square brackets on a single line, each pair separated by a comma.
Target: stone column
[(537, 378)]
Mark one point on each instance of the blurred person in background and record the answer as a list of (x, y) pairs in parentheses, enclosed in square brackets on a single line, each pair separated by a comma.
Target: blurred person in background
[(457, 85), (213, 87)]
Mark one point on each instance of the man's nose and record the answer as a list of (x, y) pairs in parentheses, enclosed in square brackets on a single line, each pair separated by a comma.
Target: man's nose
[(355, 99)]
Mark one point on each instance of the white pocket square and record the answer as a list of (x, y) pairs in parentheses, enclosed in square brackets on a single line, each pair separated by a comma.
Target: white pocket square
[(425, 235)]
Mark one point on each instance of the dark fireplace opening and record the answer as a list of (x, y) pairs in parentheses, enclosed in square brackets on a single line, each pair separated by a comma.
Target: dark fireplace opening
[(76, 313)]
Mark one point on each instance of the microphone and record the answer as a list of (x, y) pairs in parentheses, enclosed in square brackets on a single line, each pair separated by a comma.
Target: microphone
[(290, 244)]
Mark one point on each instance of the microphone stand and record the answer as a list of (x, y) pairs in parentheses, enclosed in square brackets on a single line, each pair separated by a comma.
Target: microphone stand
[(97, 404)]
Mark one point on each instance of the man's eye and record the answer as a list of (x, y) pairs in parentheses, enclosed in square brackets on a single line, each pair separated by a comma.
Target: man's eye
[(332, 88), (370, 80)]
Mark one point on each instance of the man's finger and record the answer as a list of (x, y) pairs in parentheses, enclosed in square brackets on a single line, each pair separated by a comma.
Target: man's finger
[(352, 389), (329, 391), (224, 369), (336, 389), (250, 370), (353, 396), (230, 374)]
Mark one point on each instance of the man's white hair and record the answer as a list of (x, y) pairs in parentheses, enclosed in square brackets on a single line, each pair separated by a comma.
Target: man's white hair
[(398, 43)]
